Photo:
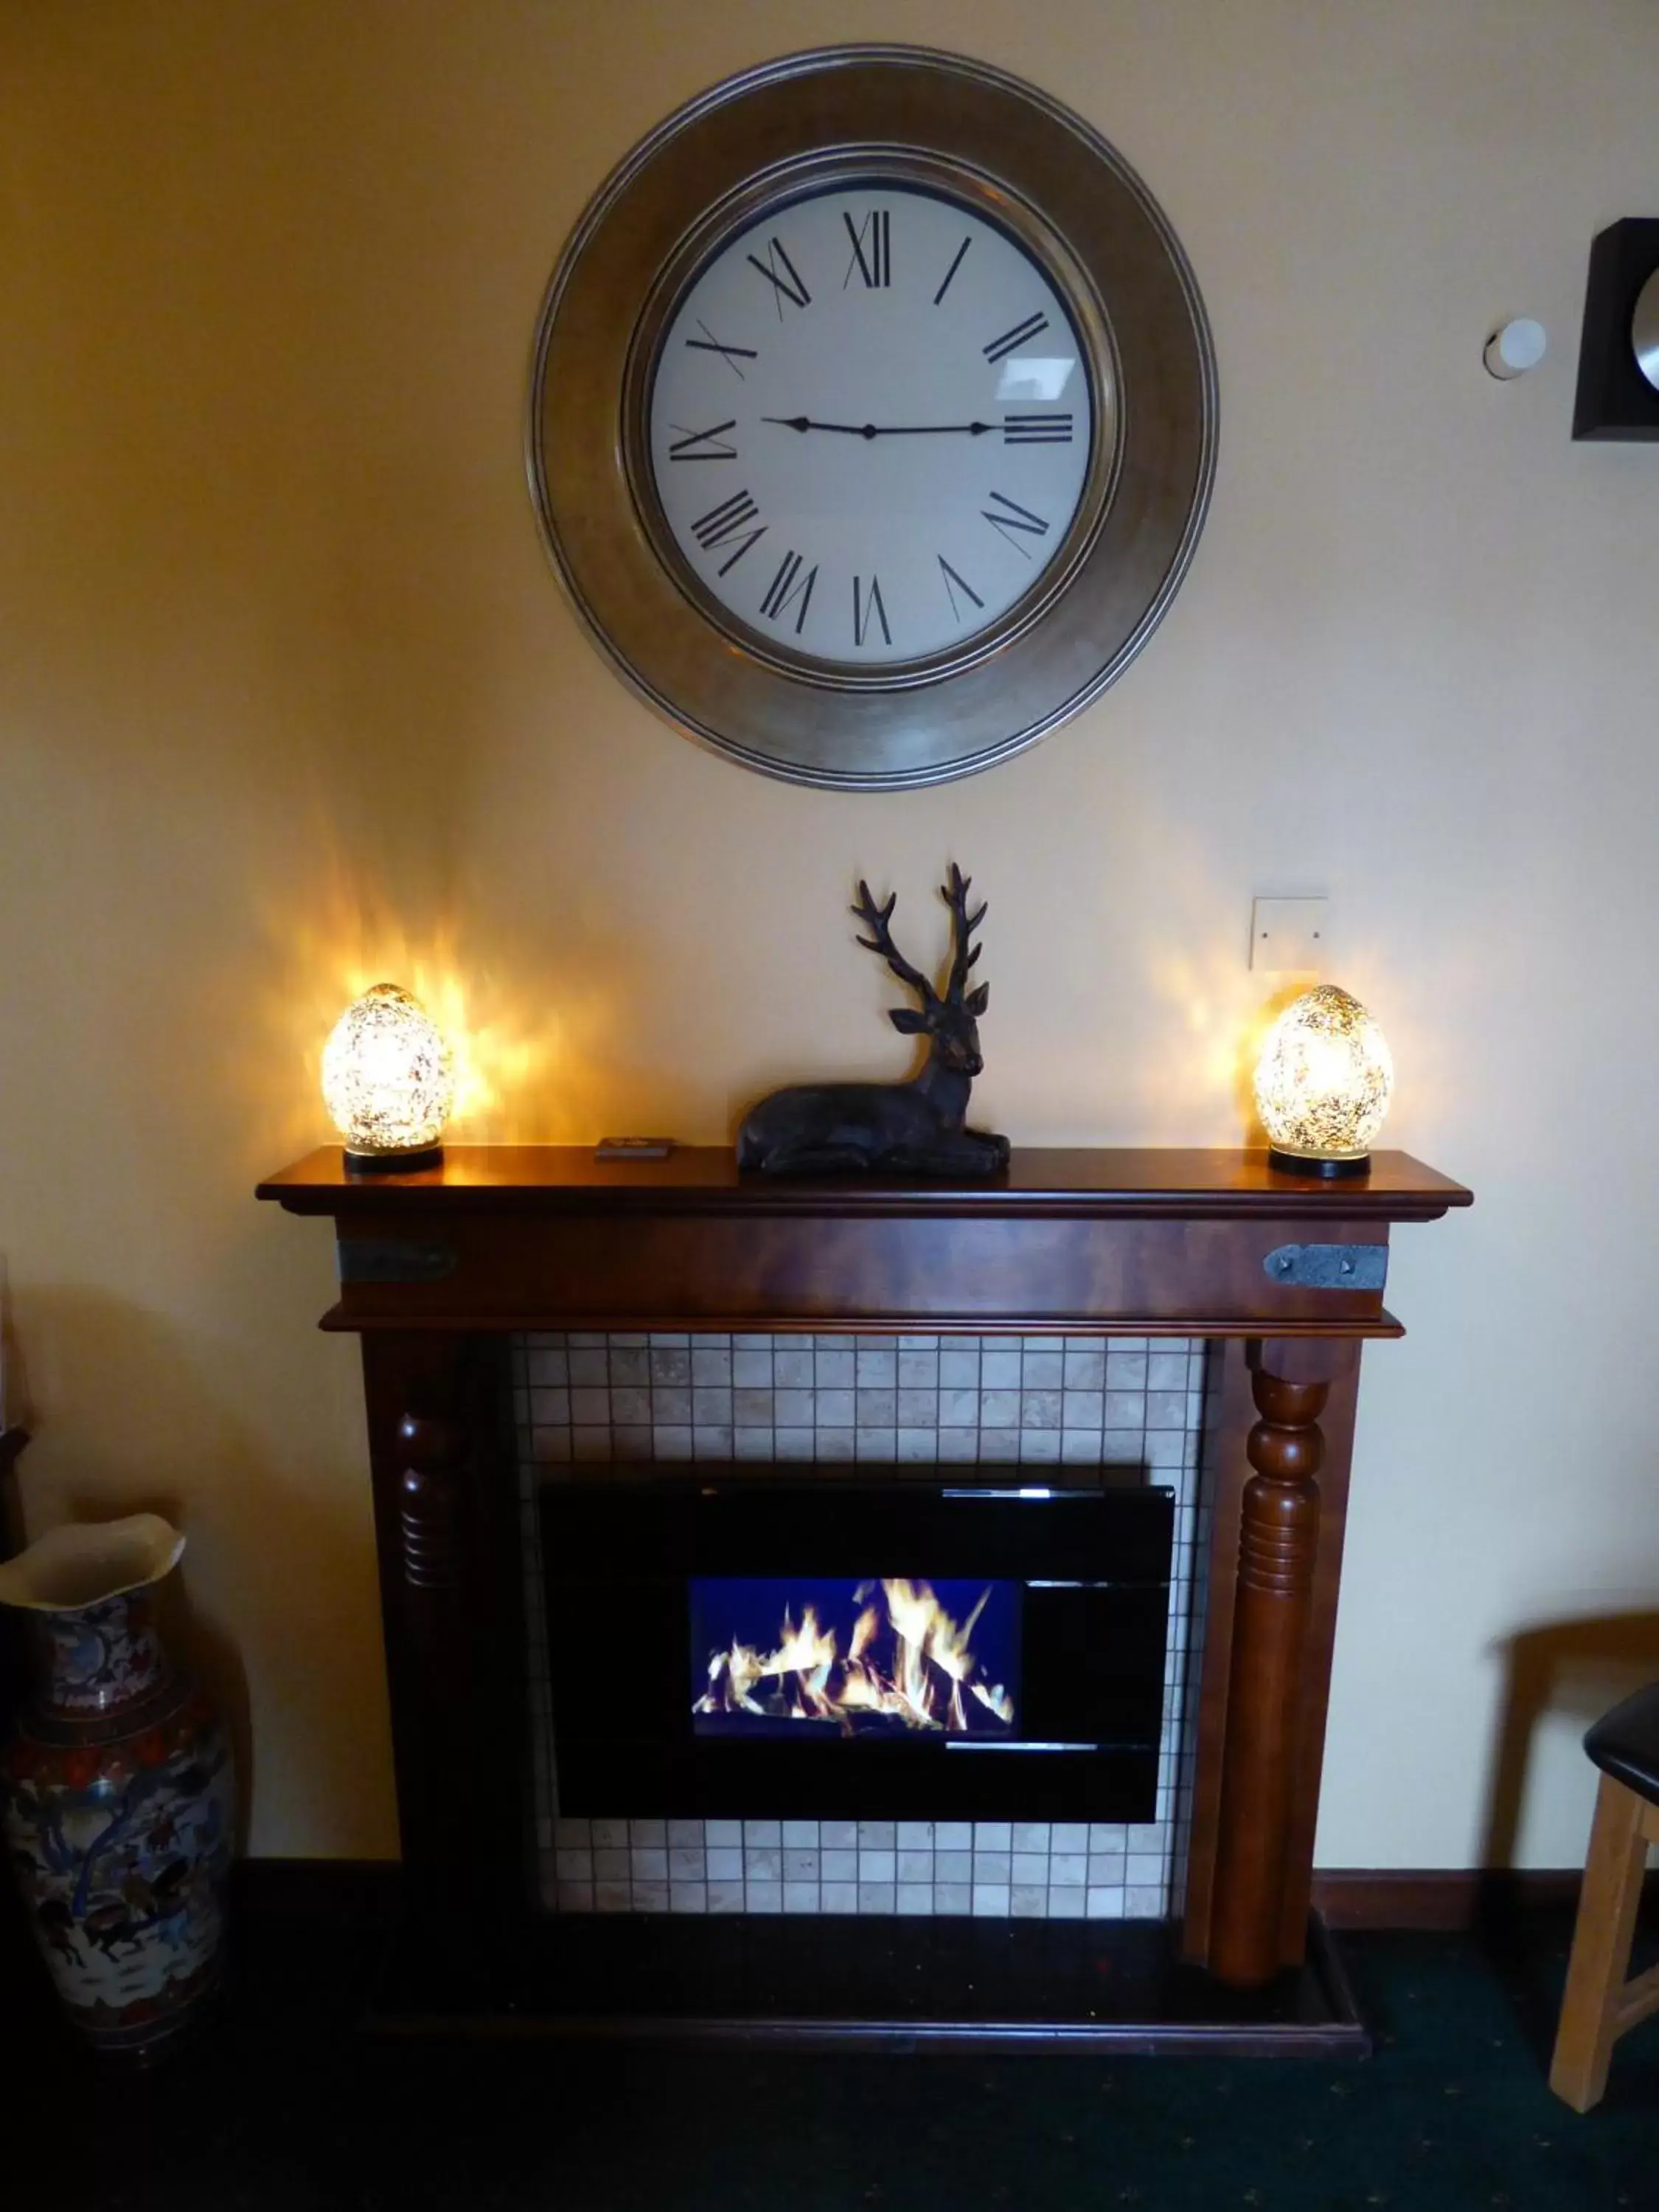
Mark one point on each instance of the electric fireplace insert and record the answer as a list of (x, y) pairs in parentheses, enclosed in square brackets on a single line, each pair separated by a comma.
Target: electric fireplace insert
[(734, 1645)]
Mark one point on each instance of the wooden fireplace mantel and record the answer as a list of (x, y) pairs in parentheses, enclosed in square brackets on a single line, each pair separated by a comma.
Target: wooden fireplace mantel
[(1213, 1243)]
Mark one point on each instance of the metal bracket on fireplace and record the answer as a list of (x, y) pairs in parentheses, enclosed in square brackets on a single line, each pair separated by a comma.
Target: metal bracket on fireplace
[(1328, 1267), (393, 1260)]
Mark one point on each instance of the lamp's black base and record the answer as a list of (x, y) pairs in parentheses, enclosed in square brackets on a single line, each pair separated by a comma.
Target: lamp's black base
[(1289, 1164), (427, 1156)]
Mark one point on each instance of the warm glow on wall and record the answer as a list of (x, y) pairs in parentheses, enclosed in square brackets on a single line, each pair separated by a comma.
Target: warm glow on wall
[(1322, 1083), (388, 1080)]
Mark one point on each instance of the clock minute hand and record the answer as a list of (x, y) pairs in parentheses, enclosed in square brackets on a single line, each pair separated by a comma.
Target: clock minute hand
[(883, 430)]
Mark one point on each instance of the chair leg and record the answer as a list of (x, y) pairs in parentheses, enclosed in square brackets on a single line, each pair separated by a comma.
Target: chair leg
[(1601, 1946)]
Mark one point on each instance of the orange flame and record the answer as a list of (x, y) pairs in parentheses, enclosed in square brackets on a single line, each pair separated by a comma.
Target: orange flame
[(919, 1682)]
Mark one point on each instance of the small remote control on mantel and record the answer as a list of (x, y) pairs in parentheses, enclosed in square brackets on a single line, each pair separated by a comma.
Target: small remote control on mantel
[(633, 1148)]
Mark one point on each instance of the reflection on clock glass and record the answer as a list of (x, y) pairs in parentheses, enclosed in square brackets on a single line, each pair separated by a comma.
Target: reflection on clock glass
[(871, 424)]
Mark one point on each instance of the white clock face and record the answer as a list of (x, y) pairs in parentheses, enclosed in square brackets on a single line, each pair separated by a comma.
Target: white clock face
[(870, 425)]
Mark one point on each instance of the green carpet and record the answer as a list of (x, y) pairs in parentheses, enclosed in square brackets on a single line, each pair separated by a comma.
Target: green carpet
[(283, 2105)]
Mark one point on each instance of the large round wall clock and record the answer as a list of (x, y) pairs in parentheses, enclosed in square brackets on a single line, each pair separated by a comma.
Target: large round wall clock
[(873, 416)]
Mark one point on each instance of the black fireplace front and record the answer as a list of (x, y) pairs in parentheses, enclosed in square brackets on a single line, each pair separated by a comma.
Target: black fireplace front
[(763, 1648)]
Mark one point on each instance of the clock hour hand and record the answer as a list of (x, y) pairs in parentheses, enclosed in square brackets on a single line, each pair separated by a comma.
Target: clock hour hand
[(883, 430)]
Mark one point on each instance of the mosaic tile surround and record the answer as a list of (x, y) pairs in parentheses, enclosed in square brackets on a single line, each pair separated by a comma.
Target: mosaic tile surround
[(1127, 1403)]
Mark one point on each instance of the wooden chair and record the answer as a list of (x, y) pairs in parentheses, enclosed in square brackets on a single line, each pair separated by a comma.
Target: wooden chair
[(1600, 2004)]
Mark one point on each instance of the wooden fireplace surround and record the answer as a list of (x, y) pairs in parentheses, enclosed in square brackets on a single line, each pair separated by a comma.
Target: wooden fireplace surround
[(436, 1267)]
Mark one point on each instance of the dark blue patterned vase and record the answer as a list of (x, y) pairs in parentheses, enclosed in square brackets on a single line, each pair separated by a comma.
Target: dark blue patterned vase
[(119, 1794)]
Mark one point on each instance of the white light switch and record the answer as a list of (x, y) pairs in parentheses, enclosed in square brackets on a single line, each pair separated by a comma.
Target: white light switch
[(1290, 936)]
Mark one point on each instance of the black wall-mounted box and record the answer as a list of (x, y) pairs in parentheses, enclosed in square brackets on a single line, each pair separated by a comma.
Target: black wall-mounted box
[(1615, 400)]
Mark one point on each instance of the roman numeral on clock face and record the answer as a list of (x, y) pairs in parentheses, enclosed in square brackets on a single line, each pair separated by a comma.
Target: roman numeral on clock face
[(781, 273), (865, 605), (785, 587), (1014, 521), (955, 264), (723, 522), (954, 583), (871, 254), (1020, 335), (702, 444), (1036, 429), (731, 355)]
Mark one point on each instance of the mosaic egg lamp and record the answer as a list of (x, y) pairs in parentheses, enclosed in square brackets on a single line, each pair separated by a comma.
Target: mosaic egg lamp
[(388, 1081), (1322, 1085)]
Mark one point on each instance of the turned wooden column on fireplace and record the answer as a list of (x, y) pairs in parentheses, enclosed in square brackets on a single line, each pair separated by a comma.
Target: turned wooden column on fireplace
[(1287, 1272)]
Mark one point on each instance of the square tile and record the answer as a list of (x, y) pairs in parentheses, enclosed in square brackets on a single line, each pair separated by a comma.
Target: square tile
[(834, 1409), (916, 1896), (724, 1863), (792, 1368), (752, 1409), (875, 1370), (877, 1897), (687, 1897), (1029, 1836), (915, 1835), (838, 1866), (800, 1896), (671, 1368), (613, 1897), (877, 1866), (1026, 1903), (686, 1865), (1043, 1371), (917, 1447), (711, 1367), (958, 1369), (648, 1865), (800, 1865), (648, 1831), (590, 1368), (1067, 1903), (726, 1897), (763, 1832), (835, 1370), (991, 1900), (670, 1403), (915, 1866), (992, 1836), (953, 1866), (1104, 1904), (1025, 1867), (877, 1443), (838, 1897), (955, 1898), (993, 1866), (958, 1447), (751, 1370), (918, 1371), (763, 1896), (650, 1896), (802, 1835), (877, 1409), (838, 1835)]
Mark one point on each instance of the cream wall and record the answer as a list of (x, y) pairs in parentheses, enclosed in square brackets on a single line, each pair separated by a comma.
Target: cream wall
[(290, 699)]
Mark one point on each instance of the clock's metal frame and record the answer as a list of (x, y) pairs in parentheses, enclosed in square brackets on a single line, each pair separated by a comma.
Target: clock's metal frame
[(891, 114)]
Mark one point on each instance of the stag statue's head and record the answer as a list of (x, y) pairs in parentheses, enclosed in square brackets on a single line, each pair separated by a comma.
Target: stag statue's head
[(950, 1019)]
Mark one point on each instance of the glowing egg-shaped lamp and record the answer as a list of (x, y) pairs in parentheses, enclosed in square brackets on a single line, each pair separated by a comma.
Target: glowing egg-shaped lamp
[(1322, 1085), (388, 1081)]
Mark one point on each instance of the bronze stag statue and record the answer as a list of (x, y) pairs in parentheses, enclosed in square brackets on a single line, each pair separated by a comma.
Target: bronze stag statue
[(917, 1127)]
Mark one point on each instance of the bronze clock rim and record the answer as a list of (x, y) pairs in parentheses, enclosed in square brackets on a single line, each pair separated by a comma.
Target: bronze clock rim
[(978, 130)]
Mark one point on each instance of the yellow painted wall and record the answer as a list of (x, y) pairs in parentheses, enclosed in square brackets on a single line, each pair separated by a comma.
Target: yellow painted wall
[(289, 699)]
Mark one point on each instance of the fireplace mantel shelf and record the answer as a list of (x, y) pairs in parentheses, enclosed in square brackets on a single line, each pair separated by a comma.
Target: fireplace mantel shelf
[(1131, 1242), (1097, 1183), (437, 1267)]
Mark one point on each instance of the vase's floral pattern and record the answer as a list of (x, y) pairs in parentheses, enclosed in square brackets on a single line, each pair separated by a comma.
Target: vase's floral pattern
[(121, 1839)]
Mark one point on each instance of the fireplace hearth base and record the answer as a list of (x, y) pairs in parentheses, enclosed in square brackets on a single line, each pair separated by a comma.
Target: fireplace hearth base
[(822, 1982)]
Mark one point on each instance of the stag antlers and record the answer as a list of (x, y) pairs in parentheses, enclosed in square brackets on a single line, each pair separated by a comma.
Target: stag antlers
[(877, 919)]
